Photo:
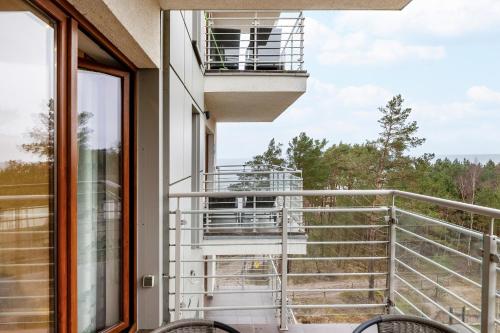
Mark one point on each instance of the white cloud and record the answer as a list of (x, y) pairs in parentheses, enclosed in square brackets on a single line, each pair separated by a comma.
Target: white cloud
[(350, 96), (359, 48), (443, 113), (483, 94), (436, 17)]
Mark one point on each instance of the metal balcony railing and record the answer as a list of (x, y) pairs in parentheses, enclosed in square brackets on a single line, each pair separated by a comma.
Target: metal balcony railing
[(238, 213), (254, 41), (367, 252)]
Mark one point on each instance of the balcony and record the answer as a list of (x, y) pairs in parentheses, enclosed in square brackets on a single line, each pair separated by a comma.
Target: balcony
[(236, 219), (367, 252), (254, 63)]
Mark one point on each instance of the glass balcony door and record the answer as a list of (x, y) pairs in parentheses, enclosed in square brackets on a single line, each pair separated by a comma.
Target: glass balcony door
[(28, 123), (102, 228)]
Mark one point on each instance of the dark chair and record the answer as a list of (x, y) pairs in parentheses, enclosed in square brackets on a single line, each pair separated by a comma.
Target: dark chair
[(403, 324), (195, 326)]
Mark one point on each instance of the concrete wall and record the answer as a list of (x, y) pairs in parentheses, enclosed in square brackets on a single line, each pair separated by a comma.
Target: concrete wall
[(186, 96), (132, 26), (285, 4), (150, 173)]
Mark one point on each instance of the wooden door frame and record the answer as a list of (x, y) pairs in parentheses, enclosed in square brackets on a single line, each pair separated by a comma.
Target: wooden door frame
[(125, 168), (68, 22)]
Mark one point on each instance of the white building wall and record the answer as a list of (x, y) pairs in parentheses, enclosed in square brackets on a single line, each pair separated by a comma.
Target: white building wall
[(185, 97)]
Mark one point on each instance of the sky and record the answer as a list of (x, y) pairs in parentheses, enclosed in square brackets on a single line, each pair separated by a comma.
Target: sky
[(442, 56)]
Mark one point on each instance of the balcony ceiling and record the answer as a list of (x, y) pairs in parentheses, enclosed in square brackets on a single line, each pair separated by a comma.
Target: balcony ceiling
[(251, 97), (285, 4)]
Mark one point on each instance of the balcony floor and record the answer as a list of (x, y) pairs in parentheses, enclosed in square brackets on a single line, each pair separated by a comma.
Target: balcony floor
[(242, 317), (265, 320), (302, 328)]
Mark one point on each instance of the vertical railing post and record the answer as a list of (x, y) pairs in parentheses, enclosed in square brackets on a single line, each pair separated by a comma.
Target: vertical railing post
[(392, 257), (255, 24), (301, 36), (284, 268), (178, 224), (488, 283), (254, 214), (208, 31)]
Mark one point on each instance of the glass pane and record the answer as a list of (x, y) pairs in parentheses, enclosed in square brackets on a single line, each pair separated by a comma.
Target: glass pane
[(27, 179), (99, 201)]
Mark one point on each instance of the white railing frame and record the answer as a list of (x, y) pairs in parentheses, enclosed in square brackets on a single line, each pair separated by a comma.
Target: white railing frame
[(489, 258)]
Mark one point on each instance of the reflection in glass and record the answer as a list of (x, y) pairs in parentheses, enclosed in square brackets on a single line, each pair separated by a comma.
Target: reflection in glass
[(27, 180), (99, 201)]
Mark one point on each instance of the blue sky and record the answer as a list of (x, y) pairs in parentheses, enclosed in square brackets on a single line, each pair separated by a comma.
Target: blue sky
[(442, 56)]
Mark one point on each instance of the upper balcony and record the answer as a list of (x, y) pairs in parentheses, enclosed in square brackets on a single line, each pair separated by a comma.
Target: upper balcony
[(254, 63)]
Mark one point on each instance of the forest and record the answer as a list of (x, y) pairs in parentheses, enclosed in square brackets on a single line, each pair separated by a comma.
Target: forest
[(387, 161)]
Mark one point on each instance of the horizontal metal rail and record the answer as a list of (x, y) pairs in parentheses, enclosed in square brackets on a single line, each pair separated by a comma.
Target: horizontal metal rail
[(303, 193), (230, 308), (336, 258), (442, 308), (364, 226), (441, 223), (448, 270), (208, 229), (337, 306), (338, 242), (216, 292), (253, 172), (229, 211), (338, 274), (447, 248), (411, 304), (481, 210), (322, 290), (227, 244), (460, 298), (340, 210), (223, 276)]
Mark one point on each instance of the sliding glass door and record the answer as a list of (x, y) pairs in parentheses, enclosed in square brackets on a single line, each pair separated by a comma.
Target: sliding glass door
[(102, 188), (65, 253), (27, 168)]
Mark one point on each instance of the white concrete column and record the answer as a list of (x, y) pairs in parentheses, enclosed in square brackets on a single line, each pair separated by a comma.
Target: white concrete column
[(149, 198)]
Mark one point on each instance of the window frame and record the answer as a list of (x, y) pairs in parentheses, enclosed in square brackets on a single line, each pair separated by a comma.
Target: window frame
[(68, 22), (125, 168)]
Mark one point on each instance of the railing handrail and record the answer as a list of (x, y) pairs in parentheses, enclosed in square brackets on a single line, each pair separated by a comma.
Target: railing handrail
[(263, 172), (246, 165), (481, 210), (289, 56)]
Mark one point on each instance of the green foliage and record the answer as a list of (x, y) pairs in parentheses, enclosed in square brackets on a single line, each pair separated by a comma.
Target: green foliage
[(272, 156), (306, 154), (397, 137)]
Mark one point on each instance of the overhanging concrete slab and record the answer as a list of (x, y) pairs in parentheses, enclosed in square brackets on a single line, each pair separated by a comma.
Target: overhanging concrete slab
[(286, 4), (252, 96)]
